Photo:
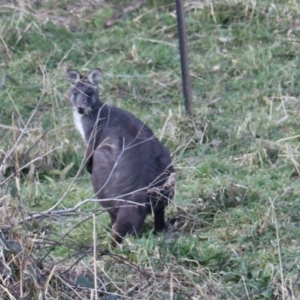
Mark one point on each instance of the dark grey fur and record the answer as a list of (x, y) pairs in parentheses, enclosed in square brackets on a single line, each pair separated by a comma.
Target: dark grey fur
[(131, 171)]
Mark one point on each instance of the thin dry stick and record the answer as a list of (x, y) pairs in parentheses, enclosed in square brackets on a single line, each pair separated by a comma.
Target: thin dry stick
[(278, 246), (9, 54), (66, 284), (245, 286), (81, 257), (171, 286), (11, 127), (21, 135), (165, 125), (15, 107), (71, 211), (95, 252), (11, 297), (16, 158), (48, 279), (288, 138)]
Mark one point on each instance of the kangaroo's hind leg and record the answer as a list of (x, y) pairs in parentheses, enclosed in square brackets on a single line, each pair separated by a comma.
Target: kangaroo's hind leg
[(159, 221), (130, 219), (159, 202)]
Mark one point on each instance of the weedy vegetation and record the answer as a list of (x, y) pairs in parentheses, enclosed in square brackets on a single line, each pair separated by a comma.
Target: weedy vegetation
[(237, 201)]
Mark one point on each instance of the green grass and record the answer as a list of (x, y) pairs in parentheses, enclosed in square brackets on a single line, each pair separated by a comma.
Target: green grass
[(237, 196)]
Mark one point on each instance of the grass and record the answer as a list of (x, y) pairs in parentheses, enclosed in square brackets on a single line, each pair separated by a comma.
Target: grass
[(237, 199)]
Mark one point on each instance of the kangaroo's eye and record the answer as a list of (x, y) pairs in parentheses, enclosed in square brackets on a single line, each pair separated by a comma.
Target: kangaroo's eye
[(75, 92), (89, 93)]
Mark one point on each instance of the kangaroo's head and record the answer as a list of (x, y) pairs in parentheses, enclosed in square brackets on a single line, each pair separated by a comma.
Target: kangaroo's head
[(84, 90)]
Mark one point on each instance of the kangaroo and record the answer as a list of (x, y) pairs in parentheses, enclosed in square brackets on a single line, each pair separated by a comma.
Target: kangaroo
[(131, 170)]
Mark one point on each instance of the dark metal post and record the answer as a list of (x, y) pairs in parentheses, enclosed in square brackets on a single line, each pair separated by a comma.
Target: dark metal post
[(185, 72)]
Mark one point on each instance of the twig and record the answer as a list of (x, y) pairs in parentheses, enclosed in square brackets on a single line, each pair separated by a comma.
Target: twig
[(11, 127), (20, 136), (72, 211), (94, 256)]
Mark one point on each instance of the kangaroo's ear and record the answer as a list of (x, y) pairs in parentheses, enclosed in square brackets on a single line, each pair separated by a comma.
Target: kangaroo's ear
[(95, 76), (73, 75)]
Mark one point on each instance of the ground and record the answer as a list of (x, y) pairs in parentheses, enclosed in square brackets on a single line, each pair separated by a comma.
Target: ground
[(237, 196)]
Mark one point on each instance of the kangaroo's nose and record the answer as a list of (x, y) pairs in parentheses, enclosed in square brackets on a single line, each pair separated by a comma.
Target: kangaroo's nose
[(80, 110)]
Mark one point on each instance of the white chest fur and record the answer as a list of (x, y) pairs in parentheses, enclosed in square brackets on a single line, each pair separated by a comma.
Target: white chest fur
[(78, 122)]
